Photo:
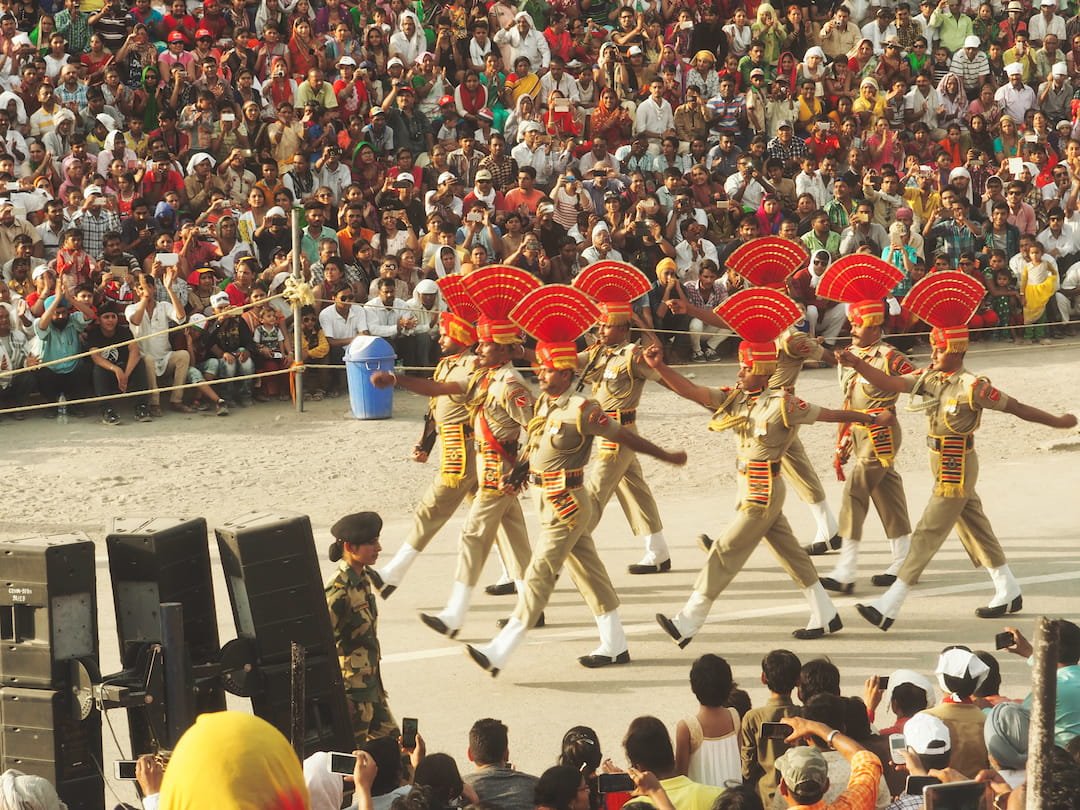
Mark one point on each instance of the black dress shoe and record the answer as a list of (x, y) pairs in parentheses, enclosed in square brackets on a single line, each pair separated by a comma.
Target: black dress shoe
[(705, 543), (830, 584), (804, 634), (658, 568), (668, 626), (438, 625), (998, 611), (883, 580), (540, 622), (481, 659), (821, 547), (386, 590), (873, 615), (597, 661), (501, 589)]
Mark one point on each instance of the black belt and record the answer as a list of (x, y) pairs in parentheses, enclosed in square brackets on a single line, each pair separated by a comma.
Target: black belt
[(774, 467), (468, 430), (509, 448), (934, 442), (574, 480), (623, 417)]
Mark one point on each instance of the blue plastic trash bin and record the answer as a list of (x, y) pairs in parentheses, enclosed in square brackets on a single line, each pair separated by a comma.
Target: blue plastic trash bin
[(365, 355)]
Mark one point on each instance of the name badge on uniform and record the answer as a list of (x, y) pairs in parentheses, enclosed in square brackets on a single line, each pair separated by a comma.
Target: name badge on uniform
[(554, 428), (952, 406), (611, 374)]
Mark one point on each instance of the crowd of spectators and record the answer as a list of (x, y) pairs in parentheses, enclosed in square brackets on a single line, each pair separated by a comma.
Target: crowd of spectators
[(154, 154), (835, 752)]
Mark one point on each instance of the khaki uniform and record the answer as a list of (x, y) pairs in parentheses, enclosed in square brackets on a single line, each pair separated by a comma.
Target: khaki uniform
[(560, 439), (354, 617), (764, 425), (794, 349), (954, 410), (874, 476), (501, 405), (456, 479), (618, 376)]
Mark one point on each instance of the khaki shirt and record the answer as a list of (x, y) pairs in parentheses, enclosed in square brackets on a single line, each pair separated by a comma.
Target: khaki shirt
[(500, 398), (617, 375), (354, 618), (792, 350), (452, 409), (560, 435), (764, 423), (862, 395), (957, 400)]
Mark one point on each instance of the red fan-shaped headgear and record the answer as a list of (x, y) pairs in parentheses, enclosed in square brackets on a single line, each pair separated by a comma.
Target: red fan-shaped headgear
[(946, 300), (863, 282), (759, 316), (614, 286), (496, 289), (767, 261), (556, 315)]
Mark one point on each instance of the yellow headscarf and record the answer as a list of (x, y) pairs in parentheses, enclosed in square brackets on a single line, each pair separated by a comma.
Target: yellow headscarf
[(233, 761)]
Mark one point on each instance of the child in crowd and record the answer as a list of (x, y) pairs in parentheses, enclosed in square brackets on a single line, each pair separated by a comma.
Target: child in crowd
[(1004, 296), (1038, 283), (707, 743), (779, 672), (271, 354)]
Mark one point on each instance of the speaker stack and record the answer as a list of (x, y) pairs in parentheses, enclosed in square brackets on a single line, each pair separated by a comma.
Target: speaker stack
[(275, 587), (48, 660)]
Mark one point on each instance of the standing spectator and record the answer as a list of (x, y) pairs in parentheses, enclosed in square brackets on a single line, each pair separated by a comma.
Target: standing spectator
[(780, 673), (58, 331)]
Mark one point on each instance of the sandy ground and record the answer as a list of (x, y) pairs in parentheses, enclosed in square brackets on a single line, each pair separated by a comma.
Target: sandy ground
[(79, 476)]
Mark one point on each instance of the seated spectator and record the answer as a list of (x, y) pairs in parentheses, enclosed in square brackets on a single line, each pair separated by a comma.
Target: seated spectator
[(831, 710), (19, 790), (389, 783), (340, 323), (779, 673), (498, 785), (1067, 711), (15, 389), (707, 743), (560, 788), (648, 748), (819, 676), (1006, 737), (117, 368), (228, 344), (59, 330), (804, 772), (390, 318), (909, 693), (960, 672), (438, 777)]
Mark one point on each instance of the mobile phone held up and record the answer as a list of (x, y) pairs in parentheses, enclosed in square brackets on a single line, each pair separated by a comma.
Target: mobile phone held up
[(614, 783), (776, 731), (124, 769), (1002, 641), (954, 796), (344, 764), (409, 727), (897, 746)]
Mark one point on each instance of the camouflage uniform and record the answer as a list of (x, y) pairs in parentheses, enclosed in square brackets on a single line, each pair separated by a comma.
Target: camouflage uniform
[(354, 618)]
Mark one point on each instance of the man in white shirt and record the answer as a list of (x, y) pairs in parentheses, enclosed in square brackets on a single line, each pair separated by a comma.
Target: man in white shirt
[(1046, 22), (1058, 241), (524, 40), (923, 103), (150, 317), (533, 152), (693, 250), (410, 41), (1015, 98), (654, 117), (391, 319), (332, 173), (425, 306), (743, 188), (557, 79), (880, 29), (601, 248), (342, 322)]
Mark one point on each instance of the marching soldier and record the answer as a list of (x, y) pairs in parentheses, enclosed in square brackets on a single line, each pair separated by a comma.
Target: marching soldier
[(615, 369), (354, 617), (768, 262), (501, 406), (956, 399), (764, 421), (863, 282), (448, 417), (560, 439)]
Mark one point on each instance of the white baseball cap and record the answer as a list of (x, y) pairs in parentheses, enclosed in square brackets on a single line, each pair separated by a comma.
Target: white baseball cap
[(447, 177), (972, 42), (1014, 69), (926, 734)]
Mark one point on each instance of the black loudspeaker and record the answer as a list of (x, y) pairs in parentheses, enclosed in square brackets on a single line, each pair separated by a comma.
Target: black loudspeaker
[(165, 560), (48, 660), (277, 597)]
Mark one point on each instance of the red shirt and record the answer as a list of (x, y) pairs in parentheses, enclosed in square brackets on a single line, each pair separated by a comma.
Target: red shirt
[(819, 149)]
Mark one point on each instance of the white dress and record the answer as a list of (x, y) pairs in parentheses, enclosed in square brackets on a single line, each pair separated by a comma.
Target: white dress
[(714, 760)]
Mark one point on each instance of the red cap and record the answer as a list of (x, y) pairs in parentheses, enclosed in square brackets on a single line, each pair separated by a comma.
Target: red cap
[(614, 286), (556, 315), (496, 289), (457, 328), (176, 36), (767, 261), (203, 33), (863, 282), (946, 300), (446, 100)]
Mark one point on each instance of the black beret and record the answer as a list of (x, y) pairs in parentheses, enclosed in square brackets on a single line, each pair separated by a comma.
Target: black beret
[(358, 528)]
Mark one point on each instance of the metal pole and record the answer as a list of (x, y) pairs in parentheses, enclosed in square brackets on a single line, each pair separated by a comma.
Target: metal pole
[(297, 657), (178, 691), (298, 375), (1043, 700)]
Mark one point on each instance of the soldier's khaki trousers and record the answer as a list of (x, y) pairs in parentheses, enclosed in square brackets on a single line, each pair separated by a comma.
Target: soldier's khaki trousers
[(796, 468), (870, 481), (619, 473), (966, 514), (492, 512), (439, 504), (573, 546), (733, 548)]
